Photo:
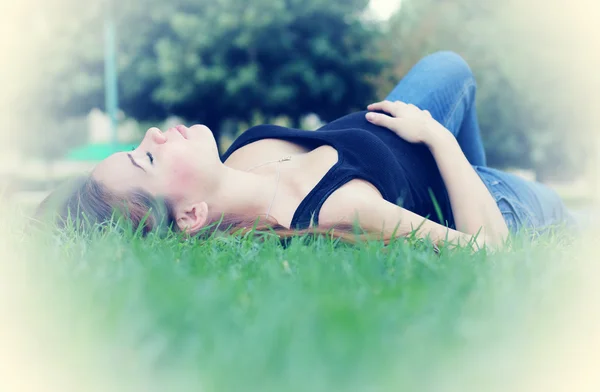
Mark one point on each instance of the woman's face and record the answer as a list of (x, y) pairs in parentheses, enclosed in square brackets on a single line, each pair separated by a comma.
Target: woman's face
[(172, 164)]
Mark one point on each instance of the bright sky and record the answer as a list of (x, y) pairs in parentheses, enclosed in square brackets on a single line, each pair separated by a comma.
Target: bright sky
[(383, 9)]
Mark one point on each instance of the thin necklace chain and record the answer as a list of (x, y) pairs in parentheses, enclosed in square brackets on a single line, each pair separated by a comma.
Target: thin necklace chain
[(286, 158), (278, 161)]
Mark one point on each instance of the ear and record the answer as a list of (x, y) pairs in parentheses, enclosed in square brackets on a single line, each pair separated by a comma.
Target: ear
[(192, 218)]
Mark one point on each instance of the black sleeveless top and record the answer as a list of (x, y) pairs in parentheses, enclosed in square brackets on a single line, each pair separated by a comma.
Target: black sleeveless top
[(405, 174)]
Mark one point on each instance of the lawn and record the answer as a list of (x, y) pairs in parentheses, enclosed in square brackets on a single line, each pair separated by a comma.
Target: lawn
[(115, 312)]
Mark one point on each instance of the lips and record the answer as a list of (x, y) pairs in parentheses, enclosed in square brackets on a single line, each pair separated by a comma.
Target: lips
[(182, 129)]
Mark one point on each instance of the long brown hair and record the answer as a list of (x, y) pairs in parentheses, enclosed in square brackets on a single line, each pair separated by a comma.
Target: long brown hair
[(86, 203)]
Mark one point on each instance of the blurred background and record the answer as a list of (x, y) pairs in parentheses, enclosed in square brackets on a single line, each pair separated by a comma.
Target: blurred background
[(84, 79), (79, 80)]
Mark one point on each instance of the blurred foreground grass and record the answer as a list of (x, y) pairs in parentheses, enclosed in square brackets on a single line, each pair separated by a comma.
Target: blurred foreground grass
[(117, 312)]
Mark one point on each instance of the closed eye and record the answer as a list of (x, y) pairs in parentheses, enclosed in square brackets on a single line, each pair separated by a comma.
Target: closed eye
[(150, 157), (134, 163)]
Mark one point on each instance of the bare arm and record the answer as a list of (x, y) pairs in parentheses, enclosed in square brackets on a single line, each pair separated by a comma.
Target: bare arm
[(473, 207), (377, 215)]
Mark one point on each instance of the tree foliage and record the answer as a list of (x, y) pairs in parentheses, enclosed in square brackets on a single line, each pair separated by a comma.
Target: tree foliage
[(212, 60)]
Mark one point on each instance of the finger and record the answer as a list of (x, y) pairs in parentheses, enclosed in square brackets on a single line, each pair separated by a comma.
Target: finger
[(381, 120), (375, 105), (389, 107), (378, 105), (413, 108)]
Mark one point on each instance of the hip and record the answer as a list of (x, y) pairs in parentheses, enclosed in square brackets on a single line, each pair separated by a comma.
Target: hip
[(524, 204)]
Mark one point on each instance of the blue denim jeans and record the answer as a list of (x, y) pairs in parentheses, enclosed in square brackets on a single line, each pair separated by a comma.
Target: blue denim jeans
[(444, 84)]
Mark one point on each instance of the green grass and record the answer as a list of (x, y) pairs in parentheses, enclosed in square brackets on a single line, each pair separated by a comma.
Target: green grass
[(236, 314)]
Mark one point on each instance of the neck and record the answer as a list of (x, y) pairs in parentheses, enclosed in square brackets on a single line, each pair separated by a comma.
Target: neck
[(243, 193)]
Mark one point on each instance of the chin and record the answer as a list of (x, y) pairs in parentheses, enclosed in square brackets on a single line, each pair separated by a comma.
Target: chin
[(201, 129), (205, 135)]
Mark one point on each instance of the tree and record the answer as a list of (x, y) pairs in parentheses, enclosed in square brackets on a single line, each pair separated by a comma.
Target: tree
[(212, 60), (276, 57)]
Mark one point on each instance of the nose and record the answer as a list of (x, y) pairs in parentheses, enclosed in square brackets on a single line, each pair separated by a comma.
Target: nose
[(154, 135)]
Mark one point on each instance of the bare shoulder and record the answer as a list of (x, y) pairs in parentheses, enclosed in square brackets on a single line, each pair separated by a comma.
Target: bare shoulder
[(342, 205)]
